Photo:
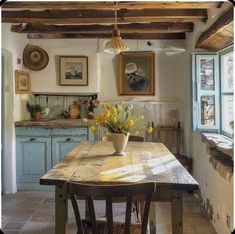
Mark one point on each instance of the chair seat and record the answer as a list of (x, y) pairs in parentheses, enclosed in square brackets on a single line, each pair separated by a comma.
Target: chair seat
[(185, 161), (118, 227)]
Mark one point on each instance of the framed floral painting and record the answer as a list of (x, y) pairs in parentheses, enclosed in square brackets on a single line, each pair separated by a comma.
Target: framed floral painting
[(136, 73), (22, 82), (74, 70)]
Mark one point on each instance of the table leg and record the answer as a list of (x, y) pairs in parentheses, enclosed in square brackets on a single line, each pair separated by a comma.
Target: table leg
[(61, 210), (177, 212)]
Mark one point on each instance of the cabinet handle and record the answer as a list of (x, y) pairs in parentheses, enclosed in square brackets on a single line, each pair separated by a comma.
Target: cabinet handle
[(68, 139), (32, 139)]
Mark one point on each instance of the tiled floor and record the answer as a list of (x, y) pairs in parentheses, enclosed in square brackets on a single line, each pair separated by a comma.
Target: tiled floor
[(33, 213)]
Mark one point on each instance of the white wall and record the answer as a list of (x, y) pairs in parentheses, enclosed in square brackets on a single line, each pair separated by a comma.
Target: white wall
[(47, 80), (12, 48), (172, 72), (212, 186)]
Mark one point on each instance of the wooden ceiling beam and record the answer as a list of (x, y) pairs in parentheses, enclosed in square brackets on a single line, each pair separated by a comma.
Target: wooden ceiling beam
[(213, 33), (110, 5), (98, 16), (144, 36), (124, 28)]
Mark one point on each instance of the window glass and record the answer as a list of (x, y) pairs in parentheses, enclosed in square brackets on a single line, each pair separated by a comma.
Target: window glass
[(207, 110), (227, 72), (227, 101), (207, 74), (227, 113)]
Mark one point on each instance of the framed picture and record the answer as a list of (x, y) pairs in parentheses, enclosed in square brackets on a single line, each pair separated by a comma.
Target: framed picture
[(22, 81), (136, 73), (74, 70)]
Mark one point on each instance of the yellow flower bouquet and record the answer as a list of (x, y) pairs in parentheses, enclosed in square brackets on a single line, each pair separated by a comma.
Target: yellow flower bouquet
[(119, 118)]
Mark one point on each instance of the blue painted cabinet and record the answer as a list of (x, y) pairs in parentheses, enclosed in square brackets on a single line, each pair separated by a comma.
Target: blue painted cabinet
[(33, 157), (38, 149), (64, 140)]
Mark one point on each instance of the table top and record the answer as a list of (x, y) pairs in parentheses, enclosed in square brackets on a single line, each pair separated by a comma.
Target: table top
[(144, 162)]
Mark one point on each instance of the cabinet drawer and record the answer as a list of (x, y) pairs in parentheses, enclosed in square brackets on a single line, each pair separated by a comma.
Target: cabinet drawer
[(70, 132), (33, 131), (61, 146)]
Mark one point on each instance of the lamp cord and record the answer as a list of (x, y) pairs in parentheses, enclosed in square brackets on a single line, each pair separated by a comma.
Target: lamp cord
[(115, 7)]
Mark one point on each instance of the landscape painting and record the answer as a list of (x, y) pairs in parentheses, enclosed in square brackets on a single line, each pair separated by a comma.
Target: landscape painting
[(74, 70)]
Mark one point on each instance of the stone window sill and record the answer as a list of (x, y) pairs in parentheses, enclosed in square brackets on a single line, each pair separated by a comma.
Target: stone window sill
[(220, 148), (219, 142)]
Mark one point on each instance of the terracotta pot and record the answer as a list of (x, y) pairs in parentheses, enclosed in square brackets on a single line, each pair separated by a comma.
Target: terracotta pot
[(119, 141), (37, 116)]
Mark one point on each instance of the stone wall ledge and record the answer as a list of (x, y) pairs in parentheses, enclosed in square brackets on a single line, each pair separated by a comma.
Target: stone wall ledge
[(220, 142), (220, 149)]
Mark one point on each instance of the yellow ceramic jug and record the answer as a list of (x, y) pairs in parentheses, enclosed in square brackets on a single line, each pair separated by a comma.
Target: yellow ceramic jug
[(74, 110)]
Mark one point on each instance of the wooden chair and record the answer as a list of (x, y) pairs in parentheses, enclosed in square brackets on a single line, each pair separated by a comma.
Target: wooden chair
[(130, 192), (131, 138), (170, 137)]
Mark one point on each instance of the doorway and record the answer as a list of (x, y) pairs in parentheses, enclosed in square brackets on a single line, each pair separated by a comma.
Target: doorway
[(7, 125)]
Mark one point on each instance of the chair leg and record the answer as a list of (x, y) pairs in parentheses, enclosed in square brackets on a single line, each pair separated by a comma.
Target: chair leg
[(152, 218)]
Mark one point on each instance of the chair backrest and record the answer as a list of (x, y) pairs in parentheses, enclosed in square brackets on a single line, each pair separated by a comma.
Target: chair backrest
[(131, 138), (136, 138), (169, 136), (131, 192)]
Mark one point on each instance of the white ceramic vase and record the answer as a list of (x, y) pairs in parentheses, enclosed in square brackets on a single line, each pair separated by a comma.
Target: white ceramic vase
[(119, 142)]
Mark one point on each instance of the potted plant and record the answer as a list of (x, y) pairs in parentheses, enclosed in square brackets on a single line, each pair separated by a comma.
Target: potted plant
[(35, 110)]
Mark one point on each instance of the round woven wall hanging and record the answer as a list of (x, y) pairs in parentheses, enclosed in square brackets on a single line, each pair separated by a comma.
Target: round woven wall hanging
[(35, 58)]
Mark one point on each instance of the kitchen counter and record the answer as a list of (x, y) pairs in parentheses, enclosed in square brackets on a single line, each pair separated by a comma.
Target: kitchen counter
[(51, 123)]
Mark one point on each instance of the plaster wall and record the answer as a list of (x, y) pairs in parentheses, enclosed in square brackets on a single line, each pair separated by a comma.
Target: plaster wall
[(172, 72), (47, 80), (213, 187), (216, 191), (12, 48)]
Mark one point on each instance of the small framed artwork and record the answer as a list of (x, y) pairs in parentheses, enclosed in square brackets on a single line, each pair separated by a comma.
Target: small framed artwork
[(136, 73), (22, 81), (74, 70)]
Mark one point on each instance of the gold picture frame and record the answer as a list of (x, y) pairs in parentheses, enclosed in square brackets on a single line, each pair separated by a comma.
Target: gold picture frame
[(136, 73), (22, 82), (74, 70)]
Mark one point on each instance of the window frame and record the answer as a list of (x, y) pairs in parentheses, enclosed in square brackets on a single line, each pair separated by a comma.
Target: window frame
[(218, 92), (198, 92), (222, 53)]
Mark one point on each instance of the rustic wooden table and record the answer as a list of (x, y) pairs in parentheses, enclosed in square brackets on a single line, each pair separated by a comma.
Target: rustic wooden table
[(144, 161)]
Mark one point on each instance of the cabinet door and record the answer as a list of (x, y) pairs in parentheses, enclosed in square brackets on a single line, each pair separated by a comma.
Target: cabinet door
[(61, 146), (33, 158)]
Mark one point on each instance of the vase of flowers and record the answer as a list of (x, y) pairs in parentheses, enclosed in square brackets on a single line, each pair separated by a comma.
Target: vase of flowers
[(119, 120), (119, 141), (90, 104)]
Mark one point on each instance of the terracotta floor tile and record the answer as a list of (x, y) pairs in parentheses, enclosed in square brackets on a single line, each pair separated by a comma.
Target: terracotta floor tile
[(35, 212)]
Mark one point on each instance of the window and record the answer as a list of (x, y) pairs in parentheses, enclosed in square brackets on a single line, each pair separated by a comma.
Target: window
[(206, 91), (213, 91), (227, 77)]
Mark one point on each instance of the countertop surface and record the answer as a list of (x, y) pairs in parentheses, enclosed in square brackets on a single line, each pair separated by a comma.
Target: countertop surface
[(52, 123)]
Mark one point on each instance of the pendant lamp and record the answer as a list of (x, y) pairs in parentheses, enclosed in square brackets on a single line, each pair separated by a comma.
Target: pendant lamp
[(116, 44)]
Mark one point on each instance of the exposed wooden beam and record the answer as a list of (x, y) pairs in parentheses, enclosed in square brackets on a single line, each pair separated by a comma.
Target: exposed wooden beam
[(217, 36), (143, 36), (110, 5), (124, 28), (103, 16)]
